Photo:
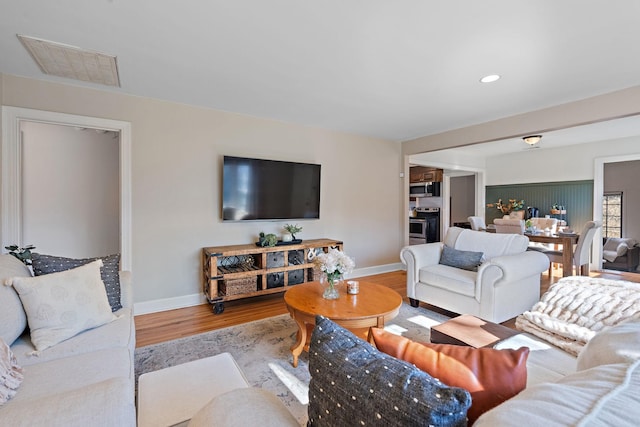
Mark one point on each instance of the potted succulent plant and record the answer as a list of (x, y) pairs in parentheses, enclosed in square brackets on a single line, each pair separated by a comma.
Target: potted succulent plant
[(23, 254), (267, 240), (292, 230)]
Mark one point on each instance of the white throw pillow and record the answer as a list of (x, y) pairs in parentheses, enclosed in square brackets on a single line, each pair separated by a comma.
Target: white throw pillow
[(618, 344), (61, 305)]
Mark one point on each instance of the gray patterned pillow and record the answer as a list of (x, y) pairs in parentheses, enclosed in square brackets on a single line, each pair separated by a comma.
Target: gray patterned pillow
[(352, 383), (466, 260), (45, 264)]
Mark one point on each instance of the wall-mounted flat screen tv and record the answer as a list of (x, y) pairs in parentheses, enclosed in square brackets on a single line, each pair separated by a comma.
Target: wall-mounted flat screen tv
[(257, 189)]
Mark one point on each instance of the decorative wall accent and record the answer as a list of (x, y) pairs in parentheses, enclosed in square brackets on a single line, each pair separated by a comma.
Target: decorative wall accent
[(575, 196)]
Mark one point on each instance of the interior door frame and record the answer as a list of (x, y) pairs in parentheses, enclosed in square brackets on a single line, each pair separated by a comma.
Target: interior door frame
[(11, 186), (598, 194)]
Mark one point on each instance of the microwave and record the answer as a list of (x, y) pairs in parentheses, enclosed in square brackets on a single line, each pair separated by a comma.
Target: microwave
[(424, 189)]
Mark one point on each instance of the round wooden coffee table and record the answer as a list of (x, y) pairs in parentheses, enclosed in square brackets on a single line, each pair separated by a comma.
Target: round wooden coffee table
[(374, 305)]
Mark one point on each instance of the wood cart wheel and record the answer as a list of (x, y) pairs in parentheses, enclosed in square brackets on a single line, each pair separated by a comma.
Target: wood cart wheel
[(218, 307)]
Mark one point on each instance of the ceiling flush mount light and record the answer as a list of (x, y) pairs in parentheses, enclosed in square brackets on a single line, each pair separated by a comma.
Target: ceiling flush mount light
[(532, 139), (490, 78), (72, 62)]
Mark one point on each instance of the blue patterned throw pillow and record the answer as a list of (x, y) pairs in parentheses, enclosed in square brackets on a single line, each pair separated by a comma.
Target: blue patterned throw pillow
[(352, 384), (110, 271), (466, 260)]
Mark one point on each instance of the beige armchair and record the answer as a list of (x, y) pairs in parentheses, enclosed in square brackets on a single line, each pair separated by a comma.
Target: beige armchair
[(509, 226), (506, 283), (544, 223)]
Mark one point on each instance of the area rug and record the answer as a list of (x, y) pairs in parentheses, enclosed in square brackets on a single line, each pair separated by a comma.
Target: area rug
[(262, 350)]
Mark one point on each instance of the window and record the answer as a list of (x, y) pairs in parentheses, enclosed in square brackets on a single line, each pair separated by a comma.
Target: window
[(612, 215)]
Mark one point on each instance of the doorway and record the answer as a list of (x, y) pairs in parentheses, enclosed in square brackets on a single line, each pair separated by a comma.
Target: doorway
[(621, 175), (13, 173)]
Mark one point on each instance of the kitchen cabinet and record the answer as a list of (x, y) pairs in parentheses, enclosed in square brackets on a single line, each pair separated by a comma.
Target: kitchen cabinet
[(424, 174)]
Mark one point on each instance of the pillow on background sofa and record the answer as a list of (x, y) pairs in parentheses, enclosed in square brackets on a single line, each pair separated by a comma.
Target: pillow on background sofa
[(352, 383), (491, 376), (13, 319), (61, 305), (46, 264)]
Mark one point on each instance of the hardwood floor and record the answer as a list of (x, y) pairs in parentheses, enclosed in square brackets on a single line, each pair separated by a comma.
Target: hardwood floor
[(168, 325)]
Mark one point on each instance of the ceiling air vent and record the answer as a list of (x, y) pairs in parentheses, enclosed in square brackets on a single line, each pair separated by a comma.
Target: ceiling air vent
[(72, 62)]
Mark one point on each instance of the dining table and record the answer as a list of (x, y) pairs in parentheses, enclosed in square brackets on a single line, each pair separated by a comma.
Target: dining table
[(567, 241)]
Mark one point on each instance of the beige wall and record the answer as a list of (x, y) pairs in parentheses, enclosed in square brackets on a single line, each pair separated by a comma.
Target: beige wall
[(570, 163), (70, 190), (176, 151)]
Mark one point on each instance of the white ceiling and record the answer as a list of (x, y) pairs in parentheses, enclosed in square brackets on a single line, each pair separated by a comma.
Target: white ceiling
[(389, 69)]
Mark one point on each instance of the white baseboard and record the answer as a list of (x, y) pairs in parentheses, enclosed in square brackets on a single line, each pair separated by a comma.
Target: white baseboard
[(183, 301)]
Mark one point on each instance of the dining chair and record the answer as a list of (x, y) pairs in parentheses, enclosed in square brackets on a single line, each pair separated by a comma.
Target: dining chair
[(582, 250), (477, 223), (509, 226)]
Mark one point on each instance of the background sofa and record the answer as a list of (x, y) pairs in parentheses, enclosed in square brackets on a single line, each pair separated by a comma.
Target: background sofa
[(505, 283), (87, 380), (620, 254)]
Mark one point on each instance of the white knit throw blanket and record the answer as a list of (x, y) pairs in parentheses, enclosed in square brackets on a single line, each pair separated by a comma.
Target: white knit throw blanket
[(574, 308)]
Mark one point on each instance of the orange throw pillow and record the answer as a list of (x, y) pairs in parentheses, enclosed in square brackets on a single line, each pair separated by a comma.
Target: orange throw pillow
[(491, 376)]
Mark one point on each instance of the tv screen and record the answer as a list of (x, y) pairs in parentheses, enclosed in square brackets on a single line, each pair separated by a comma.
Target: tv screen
[(256, 189)]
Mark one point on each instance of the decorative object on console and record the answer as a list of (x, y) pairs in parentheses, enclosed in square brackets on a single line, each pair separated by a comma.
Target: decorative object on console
[(267, 240), (334, 264), (23, 254), (507, 208), (491, 376), (352, 383), (293, 229)]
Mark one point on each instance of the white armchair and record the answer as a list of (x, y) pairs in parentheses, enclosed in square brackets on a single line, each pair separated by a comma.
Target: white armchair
[(507, 282), (477, 223)]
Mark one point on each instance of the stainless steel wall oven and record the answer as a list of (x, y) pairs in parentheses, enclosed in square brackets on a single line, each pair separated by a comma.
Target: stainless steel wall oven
[(425, 226)]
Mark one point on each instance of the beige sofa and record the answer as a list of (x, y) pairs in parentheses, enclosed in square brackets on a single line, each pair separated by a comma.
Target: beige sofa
[(597, 388), (506, 283), (87, 380)]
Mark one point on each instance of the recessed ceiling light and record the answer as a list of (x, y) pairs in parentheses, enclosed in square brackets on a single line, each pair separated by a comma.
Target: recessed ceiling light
[(490, 78)]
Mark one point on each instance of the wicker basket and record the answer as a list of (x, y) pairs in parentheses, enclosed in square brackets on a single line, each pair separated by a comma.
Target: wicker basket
[(315, 274), (243, 285)]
